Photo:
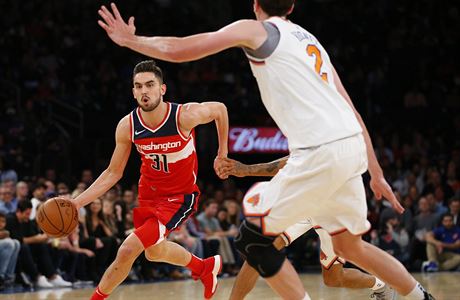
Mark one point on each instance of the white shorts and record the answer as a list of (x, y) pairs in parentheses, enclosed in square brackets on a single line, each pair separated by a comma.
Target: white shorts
[(323, 183), (327, 255)]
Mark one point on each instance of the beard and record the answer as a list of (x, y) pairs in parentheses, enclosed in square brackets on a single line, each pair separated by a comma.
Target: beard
[(150, 105)]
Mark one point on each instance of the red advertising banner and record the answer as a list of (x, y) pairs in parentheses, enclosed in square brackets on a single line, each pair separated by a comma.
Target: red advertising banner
[(257, 140)]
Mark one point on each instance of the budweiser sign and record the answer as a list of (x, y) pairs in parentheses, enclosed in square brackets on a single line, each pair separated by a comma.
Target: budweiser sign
[(257, 140)]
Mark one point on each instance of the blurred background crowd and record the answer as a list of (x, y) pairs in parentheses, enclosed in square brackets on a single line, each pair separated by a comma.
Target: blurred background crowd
[(64, 86)]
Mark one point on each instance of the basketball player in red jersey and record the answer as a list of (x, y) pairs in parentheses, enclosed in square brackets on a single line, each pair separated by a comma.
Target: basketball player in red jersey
[(163, 134)]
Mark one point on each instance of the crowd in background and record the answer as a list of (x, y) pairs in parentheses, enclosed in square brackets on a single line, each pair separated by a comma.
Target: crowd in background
[(397, 59)]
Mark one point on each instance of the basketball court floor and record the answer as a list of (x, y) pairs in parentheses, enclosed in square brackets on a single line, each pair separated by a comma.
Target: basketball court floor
[(444, 286)]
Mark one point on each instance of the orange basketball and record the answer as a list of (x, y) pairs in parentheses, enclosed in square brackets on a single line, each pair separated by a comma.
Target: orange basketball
[(57, 217)]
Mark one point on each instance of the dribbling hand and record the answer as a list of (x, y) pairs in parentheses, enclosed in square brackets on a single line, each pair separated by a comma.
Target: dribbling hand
[(381, 188), (226, 167), (116, 28), (219, 163)]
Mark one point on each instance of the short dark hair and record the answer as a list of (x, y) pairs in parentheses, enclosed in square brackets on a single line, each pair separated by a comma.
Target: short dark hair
[(223, 209), (209, 202), (2, 215), (454, 199), (39, 185), (24, 205), (148, 66), (449, 215), (276, 7)]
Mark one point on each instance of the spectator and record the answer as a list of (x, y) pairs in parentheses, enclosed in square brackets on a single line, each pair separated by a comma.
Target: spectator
[(233, 212), (98, 237), (434, 181), (189, 242), (111, 195), (8, 203), (35, 254), (8, 174), (443, 246), (22, 191), (452, 178), (210, 246), (211, 227), (77, 191), (130, 199), (454, 210), (87, 177), (222, 217), (397, 234), (436, 207), (38, 197), (9, 250), (76, 262), (424, 221), (62, 189), (114, 216), (50, 191)]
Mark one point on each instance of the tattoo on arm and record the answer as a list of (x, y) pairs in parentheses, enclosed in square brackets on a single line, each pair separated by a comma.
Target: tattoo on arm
[(267, 169)]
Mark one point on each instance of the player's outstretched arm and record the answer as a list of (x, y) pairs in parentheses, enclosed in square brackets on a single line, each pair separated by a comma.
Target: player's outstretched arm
[(233, 167), (114, 171), (194, 114), (378, 184), (247, 33)]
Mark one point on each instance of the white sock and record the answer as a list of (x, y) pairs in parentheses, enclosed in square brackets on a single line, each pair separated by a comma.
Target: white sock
[(417, 293), (378, 284), (307, 297)]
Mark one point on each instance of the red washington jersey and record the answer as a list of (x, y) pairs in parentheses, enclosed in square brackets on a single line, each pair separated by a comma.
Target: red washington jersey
[(169, 161)]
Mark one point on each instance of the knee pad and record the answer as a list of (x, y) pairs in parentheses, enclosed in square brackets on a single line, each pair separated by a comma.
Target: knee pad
[(258, 250)]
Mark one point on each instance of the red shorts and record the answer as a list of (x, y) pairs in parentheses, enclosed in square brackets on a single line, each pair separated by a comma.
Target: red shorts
[(155, 219)]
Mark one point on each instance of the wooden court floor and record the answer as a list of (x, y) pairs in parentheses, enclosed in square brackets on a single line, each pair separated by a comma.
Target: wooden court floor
[(444, 286)]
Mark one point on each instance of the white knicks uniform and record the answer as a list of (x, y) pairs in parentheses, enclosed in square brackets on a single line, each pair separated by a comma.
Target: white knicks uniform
[(327, 255), (322, 177), (297, 87)]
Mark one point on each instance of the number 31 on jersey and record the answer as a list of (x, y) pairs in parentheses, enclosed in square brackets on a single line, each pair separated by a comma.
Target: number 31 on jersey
[(160, 162)]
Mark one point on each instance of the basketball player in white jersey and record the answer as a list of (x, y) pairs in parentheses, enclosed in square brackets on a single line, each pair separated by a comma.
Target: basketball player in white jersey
[(328, 141), (334, 274)]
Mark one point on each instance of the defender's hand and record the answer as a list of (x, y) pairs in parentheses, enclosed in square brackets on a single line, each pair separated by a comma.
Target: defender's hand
[(219, 163), (116, 28), (229, 167), (381, 188)]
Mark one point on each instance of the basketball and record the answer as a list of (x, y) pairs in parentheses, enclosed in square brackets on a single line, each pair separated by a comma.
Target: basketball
[(57, 217)]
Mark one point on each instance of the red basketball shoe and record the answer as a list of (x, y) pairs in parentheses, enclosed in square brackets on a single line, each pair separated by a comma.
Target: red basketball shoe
[(212, 268)]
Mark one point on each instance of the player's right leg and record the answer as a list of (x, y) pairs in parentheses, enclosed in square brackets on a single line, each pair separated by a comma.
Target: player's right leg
[(119, 269), (149, 231), (378, 262)]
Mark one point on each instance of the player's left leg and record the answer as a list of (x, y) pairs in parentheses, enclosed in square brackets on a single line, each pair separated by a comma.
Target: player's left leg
[(262, 255), (335, 275), (244, 282), (338, 276), (287, 283), (206, 270)]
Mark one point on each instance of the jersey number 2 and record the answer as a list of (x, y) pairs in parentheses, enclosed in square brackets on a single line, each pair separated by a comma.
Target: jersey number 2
[(160, 161), (312, 50)]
